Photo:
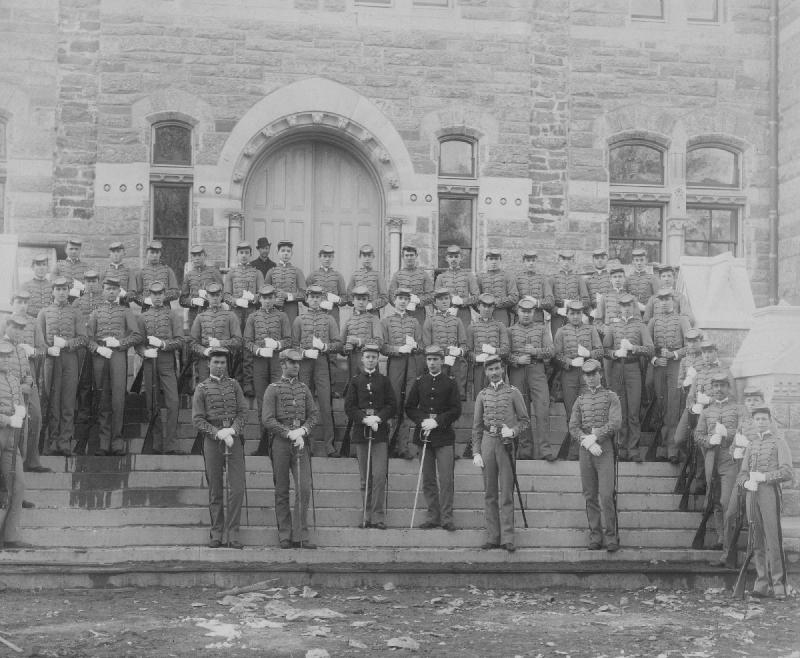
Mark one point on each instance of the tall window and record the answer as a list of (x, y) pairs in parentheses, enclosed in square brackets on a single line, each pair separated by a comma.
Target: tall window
[(457, 158), (457, 196), (172, 144), (702, 11), (647, 9), (711, 231), (456, 218), (635, 227), (712, 166), (636, 164)]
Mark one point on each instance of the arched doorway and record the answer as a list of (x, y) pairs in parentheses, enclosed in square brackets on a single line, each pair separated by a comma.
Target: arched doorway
[(314, 192)]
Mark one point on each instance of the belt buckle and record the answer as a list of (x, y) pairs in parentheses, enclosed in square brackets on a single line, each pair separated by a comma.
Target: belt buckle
[(432, 416), (296, 423), (370, 411), (493, 429)]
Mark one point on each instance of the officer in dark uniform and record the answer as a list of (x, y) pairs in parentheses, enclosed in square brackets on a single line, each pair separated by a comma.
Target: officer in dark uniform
[(370, 404), (219, 411), (434, 404), (289, 413)]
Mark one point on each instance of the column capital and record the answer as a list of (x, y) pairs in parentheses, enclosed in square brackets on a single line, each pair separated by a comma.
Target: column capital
[(395, 223), (235, 218)]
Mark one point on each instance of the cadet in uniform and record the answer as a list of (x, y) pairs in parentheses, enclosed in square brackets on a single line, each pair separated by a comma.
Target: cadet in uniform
[(162, 333), (288, 280), (154, 270), (370, 404), (289, 413), (666, 279), (196, 282), (39, 286), (316, 334), (112, 330), (361, 328), (64, 332), (625, 344), (414, 279), (598, 283), (596, 416), (767, 462), (530, 346), (117, 269), (501, 285), (331, 281), (219, 411), (607, 311), (567, 286), (535, 285), (500, 416), (434, 404), (640, 282), (72, 268), (263, 263), (461, 283), (485, 336), (242, 284), (365, 275), (212, 328), (445, 328), (266, 333), (402, 343)]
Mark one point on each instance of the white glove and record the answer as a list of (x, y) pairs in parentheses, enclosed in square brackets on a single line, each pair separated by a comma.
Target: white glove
[(455, 351), (151, 353), (74, 292), (588, 440), (715, 440), (414, 299), (697, 408), (110, 341), (58, 341), (751, 485), (20, 410), (155, 341), (477, 460), (265, 352), (54, 351), (449, 360), (595, 449), (480, 357), (241, 302), (298, 442), (457, 300), (452, 310), (213, 342), (15, 422), (78, 285), (369, 306), (429, 424), (687, 382), (720, 429), (486, 348), (641, 306), (223, 433), (202, 292), (105, 352), (249, 296), (325, 305), (207, 352), (582, 351), (758, 476), (703, 399), (625, 344), (621, 353), (311, 354), (148, 301), (228, 440), (405, 349), (410, 341), (506, 432), (317, 344), (29, 351), (289, 296), (740, 440), (738, 453), (333, 299), (271, 343), (562, 312), (577, 362), (122, 293), (691, 373), (596, 314), (198, 301)]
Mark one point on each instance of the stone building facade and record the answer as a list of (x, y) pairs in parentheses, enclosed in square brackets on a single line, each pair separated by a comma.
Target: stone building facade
[(490, 123)]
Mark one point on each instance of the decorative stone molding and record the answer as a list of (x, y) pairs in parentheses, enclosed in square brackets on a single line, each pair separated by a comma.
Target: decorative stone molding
[(238, 176), (458, 189), (716, 198), (235, 218), (167, 177), (316, 117), (660, 197), (395, 223)]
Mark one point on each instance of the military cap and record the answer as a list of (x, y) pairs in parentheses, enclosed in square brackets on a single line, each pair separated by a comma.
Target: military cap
[(60, 282), (434, 350), (492, 358), (115, 246), (219, 351), (719, 376), (600, 252), (155, 245), (409, 247), (262, 243), (326, 249), (316, 290), (197, 249), (441, 292), (575, 305), (526, 304), (761, 410), (290, 355), (40, 258), (639, 252), (453, 249), (241, 246), (6, 349), (112, 281), (752, 391), (402, 292), (156, 286), (365, 249), (286, 243), (371, 347), (91, 274), (529, 253), (266, 290), (590, 365), (21, 294), (708, 345), (360, 291), (626, 299), (566, 253), (76, 241), (665, 292), (19, 320), (616, 268), (487, 299), (665, 268), (693, 334), (213, 288), (493, 253)]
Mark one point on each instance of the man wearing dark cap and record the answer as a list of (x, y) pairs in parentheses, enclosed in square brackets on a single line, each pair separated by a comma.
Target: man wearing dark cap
[(530, 347), (154, 270), (501, 285), (641, 283), (331, 281), (625, 343), (289, 413), (219, 412), (242, 283), (485, 337), (117, 269), (64, 332), (595, 418), (72, 268), (668, 331), (288, 280), (666, 279), (461, 283), (162, 332), (573, 345), (370, 404), (444, 328), (433, 405), (358, 330), (598, 282), (365, 275), (212, 328), (567, 286), (195, 284), (414, 279), (315, 333), (533, 284), (402, 344), (112, 329), (607, 309), (39, 286), (263, 263), (499, 418), (92, 295), (266, 333)]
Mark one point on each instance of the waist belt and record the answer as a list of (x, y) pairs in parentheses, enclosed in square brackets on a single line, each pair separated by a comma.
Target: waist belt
[(494, 428), (222, 420), (294, 422)]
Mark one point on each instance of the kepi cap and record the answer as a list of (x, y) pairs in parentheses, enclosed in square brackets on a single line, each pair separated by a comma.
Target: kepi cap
[(616, 268), (76, 241), (114, 246), (402, 292), (156, 286), (197, 249), (409, 247), (365, 249), (752, 391), (590, 365), (315, 290), (575, 305), (626, 299), (286, 243), (155, 245), (453, 249), (566, 253), (359, 290), (719, 376), (21, 294), (639, 252), (600, 252), (529, 253), (434, 350), (441, 292), (40, 258), (19, 320), (761, 410), (213, 288), (526, 304), (60, 282), (266, 290), (290, 355), (326, 249), (492, 358), (693, 334), (493, 253), (487, 299), (112, 281), (91, 274), (708, 345), (665, 292), (219, 351), (371, 347), (241, 246)]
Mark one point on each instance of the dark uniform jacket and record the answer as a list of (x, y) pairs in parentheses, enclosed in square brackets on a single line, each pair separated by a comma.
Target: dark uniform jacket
[(288, 404), (41, 291), (596, 412), (438, 398), (219, 403), (370, 392)]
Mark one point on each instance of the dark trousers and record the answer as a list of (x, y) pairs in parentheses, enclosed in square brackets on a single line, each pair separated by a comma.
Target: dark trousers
[(224, 518), (316, 374), (626, 382), (571, 386), (597, 481), (727, 469), (83, 410), (402, 370), (62, 400), (531, 380), (11, 469), (437, 483), (30, 443), (110, 383), (668, 394), (285, 460), (159, 375), (373, 483)]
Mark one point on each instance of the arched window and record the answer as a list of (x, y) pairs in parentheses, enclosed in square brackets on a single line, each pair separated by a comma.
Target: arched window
[(457, 198), (636, 163), (712, 166), (172, 144), (457, 158)]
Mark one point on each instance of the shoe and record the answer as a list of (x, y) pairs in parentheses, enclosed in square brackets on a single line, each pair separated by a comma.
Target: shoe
[(488, 546), (26, 504), (756, 594), (365, 525), (674, 460), (509, 547), (467, 454), (551, 458), (612, 548), (215, 543), (428, 525), (17, 545), (333, 454), (380, 525), (595, 546), (305, 544), (37, 469), (100, 453), (285, 543), (450, 527), (175, 452), (716, 547), (236, 544), (119, 453)]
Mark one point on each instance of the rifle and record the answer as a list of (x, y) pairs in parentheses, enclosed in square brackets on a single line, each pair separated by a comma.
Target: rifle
[(653, 419), (344, 450), (733, 550), (738, 588), (686, 477), (44, 431), (507, 446), (9, 487), (713, 493), (83, 443), (147, 446)]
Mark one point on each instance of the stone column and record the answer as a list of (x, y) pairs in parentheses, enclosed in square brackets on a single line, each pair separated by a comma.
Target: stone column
[(395, 225), (675, 239), (235, 222)]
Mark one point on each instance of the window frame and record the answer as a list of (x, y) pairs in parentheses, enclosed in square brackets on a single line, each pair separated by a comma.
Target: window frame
[(662, 207), (171, 122), (705, 21), (735, 220), (648, 144), (188, 187), (646, 17), (474, 157), (722, 147), (3, 138), (473, 199)]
